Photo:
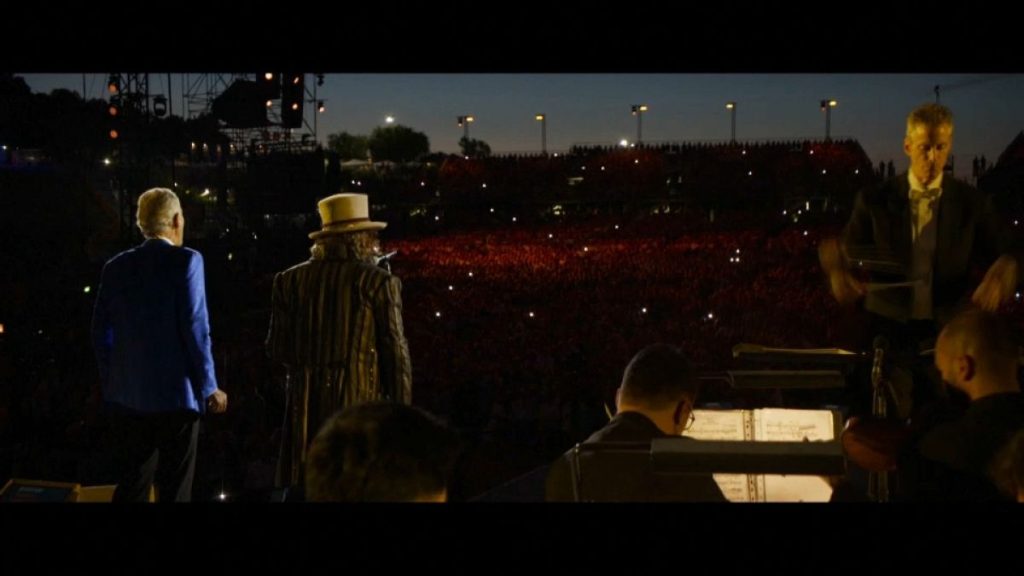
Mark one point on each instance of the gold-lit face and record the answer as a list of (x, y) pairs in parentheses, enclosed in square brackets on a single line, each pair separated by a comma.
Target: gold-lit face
[(928, 148)]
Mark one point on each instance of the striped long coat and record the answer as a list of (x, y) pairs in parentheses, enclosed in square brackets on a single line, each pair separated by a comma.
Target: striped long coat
[(336, 324)]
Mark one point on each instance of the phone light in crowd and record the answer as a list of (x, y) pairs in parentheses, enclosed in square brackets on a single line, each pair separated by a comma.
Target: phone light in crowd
[(616, 226), (586, 249), (857, 171), (437, 314), (550, 236), (492, 210), (231, 256), (87, 289), (805, 232), (513, 218), (422, 183), (807, 204), (470, 274), (750, 173), (1, 328), (450, 287), (711, 316), (206, 192), (636, 161), (737, 250), (1015, 222), (436, 218), (531, 314), (222, 496), (783, 212), (602, 168), (823, 171), (484, 185), (1016, 296), (643, 310), (106, 161), (269, 103)]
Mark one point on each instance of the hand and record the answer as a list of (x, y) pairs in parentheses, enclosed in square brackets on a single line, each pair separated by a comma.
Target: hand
[(844, 286), (217, 402), (998, 284), (830, 254)]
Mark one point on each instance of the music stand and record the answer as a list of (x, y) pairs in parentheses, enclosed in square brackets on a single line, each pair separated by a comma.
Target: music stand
[(794, 379), (675, 456)]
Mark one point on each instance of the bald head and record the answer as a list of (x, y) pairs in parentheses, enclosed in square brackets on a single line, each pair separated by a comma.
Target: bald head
[(977, 346)]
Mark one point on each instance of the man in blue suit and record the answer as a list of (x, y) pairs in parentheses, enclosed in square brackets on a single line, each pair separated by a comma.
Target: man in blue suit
[(151, 335)]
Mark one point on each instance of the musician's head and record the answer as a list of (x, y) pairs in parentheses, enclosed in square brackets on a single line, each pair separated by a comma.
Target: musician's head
[(380, 452), (1008, 468), (660, 382), (928, 141), (977, 353)]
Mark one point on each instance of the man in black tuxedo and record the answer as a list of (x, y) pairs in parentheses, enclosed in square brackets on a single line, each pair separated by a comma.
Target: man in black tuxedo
[(924, 230)]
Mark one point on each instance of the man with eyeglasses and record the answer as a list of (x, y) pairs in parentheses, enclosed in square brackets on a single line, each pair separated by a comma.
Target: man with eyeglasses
[(655, 400)]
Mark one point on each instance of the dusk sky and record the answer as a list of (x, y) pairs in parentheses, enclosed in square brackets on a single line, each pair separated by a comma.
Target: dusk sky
[(595, 108)]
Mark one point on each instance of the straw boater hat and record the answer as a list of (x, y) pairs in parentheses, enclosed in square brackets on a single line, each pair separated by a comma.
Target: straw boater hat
[(345, 213)]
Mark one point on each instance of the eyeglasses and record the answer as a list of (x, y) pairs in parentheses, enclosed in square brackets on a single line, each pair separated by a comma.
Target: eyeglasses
[(689, 421)]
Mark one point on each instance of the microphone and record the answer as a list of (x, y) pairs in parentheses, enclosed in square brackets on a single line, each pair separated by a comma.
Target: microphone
[(385, 260), (881, 345)]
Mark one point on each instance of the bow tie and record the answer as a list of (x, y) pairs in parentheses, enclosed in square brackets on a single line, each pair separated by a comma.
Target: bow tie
[(930, 194)]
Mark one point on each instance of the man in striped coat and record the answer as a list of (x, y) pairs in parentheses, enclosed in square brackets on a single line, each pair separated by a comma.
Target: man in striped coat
[(336, 325)]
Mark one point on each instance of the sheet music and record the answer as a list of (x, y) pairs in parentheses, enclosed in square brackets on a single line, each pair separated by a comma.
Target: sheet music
[(717, 425), (780, 488), (783, 425), (769, 424), (734, 486)]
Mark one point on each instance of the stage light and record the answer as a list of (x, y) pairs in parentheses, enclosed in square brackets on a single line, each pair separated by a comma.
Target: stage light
[(160, 106)]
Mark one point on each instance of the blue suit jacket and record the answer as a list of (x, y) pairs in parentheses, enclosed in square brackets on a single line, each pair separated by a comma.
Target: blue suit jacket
[(151, 331)]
